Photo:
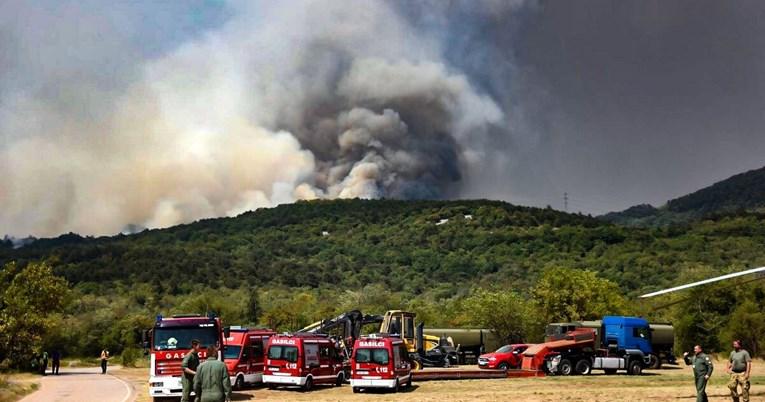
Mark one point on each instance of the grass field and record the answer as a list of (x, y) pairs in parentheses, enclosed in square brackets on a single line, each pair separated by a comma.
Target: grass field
[(671, 384), (15, 386)]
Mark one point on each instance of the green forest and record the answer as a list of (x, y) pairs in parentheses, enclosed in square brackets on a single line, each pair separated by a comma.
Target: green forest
[(473, 263)]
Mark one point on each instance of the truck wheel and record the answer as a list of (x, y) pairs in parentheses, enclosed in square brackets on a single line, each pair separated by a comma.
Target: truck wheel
[(239, 383), (308, 384), (610, 371), (583, 367), (635, 368), (408, 382), (397, 387), (339, 381), (655, 362), (565, 367), (503, 366)]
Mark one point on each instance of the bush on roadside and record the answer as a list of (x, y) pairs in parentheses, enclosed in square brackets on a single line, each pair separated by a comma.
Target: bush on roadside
[(129, 357)]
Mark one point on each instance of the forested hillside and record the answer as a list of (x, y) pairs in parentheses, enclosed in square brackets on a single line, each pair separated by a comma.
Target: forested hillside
[(294, 264), (742, 192)]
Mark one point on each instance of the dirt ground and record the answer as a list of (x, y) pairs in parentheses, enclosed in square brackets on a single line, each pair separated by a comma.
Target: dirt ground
[(670, 384)]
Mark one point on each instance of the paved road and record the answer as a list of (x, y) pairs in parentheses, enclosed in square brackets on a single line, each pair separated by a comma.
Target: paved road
[(82, 384)]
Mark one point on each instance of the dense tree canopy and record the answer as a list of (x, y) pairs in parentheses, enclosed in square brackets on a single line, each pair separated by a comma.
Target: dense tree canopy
[(455, 263)]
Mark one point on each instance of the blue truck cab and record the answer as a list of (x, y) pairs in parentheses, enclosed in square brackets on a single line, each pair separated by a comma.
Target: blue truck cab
[(626, 333)]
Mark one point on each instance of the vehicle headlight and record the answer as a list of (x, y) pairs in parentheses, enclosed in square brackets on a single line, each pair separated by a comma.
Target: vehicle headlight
[(492, 358)]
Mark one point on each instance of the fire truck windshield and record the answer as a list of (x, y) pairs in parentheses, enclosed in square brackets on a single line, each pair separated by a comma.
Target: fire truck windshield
[(231, 352), (288, 353), (180, 337), (379, 356)]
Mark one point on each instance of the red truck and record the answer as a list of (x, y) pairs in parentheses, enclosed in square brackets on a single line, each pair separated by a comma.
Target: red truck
[(244, 355), (169, 341), (380, 362), (303, 359), (504, 358)]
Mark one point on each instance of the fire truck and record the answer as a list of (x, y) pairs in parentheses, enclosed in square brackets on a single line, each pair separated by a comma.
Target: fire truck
[(244, 355), (169, 341)]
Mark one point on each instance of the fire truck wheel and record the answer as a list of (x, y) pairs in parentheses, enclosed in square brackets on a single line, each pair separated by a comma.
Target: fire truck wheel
[(636, 368), (356, 390), (308, 384), (565, 367), (339, 381), (397, 387), (503, 366), (408, 382), (583, 367), (239, 383)]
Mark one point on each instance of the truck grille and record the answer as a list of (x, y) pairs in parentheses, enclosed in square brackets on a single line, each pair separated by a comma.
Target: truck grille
[(169, 367)]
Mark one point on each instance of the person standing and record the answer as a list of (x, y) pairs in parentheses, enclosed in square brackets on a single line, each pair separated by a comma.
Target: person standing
[(702, 370), (44, 364), (739, 367), (55, 361), (212, 383), (104, 359), (189, 367)]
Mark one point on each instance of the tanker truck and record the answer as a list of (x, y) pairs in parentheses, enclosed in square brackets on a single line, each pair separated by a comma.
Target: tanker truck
[(662, 338)]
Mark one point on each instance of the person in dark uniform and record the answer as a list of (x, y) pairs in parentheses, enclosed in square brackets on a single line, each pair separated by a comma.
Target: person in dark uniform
[(212, 383), (702, 370), (189, 367), (55, 361)]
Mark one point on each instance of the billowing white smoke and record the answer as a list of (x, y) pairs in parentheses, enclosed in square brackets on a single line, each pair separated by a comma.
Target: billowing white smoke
[(285, 101)]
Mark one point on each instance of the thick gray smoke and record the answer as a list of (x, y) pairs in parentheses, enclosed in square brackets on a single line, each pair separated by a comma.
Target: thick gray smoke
[(283, 101)]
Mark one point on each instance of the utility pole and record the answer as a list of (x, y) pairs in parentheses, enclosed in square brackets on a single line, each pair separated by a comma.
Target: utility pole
[(565, 202)]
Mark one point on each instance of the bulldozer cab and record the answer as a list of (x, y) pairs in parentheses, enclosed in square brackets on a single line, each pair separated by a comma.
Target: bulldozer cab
[(401, 323)]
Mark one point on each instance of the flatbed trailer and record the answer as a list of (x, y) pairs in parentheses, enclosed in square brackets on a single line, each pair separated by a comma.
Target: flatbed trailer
[(441, 374)]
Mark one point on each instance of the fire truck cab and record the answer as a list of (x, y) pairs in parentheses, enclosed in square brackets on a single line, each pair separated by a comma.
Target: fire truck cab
[(380, 361), (169, 341), (244, 355), (303, 359)]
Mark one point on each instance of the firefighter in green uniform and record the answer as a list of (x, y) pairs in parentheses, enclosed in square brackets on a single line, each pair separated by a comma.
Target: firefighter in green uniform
[(702, 370), (212, 383), (189, 367)]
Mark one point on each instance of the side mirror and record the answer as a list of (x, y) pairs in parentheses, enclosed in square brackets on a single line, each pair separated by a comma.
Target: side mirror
[(226, 332)]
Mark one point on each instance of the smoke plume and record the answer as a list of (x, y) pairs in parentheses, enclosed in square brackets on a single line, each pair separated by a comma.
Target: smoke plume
[(280, 102)]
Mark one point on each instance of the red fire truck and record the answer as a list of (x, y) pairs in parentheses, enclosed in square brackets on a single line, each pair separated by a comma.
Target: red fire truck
[(380, 362), (243, 354), (169, 341), (303, 359)]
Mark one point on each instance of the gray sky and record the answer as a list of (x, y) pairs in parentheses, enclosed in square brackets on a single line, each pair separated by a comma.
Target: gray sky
[(157, 113), (638, 101)]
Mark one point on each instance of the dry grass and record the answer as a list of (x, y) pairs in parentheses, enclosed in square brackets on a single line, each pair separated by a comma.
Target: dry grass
[(14, 386), (670, 384)]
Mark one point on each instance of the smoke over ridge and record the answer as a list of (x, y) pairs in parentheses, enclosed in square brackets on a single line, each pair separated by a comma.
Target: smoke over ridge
[(282, 102)]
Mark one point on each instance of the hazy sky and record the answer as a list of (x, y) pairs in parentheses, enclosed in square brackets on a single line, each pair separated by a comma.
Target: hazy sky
[(157, 113)]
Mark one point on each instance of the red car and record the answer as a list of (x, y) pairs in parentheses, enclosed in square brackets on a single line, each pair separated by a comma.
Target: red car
[(506, 357)]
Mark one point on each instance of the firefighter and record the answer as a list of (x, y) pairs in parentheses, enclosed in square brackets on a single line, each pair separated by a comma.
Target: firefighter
[(189, 367), (702, 370), (212, 384), (739, 367)]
